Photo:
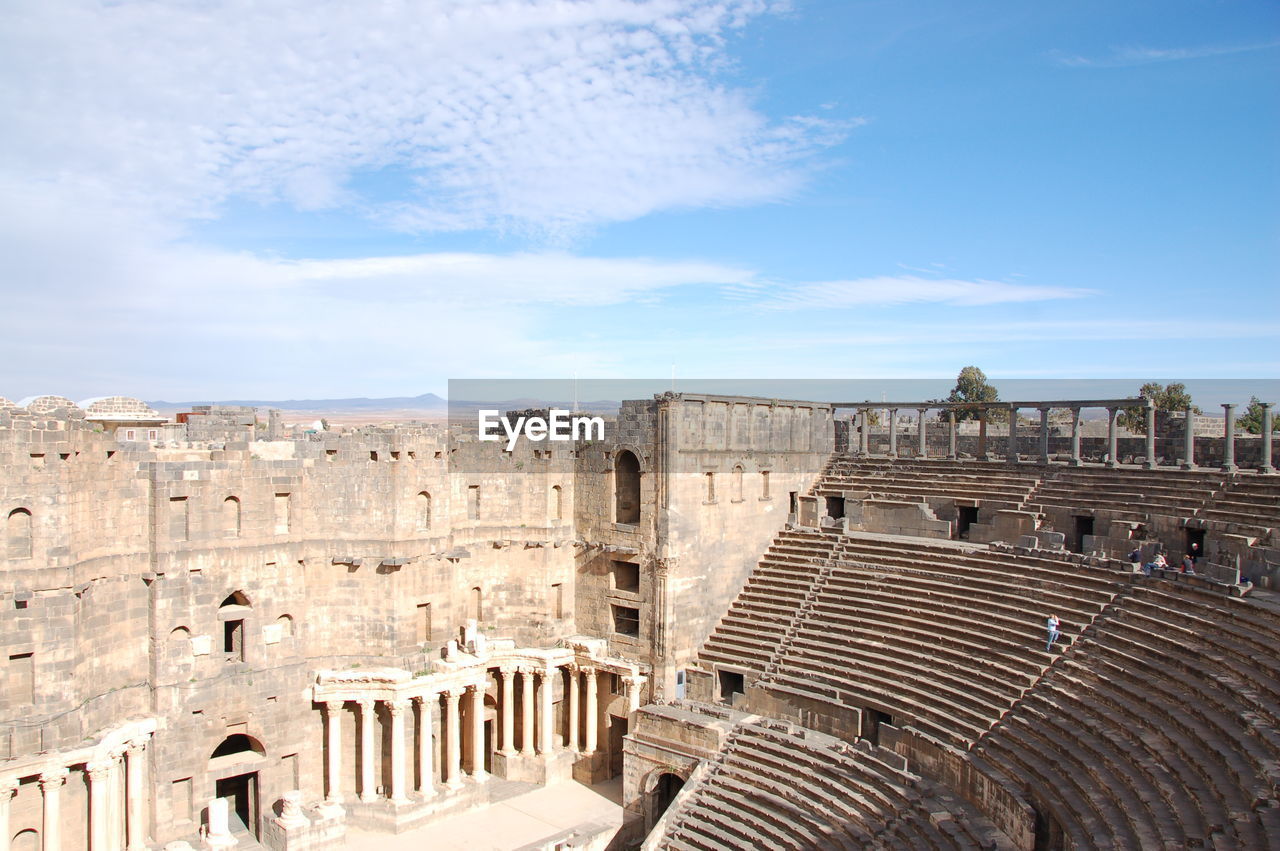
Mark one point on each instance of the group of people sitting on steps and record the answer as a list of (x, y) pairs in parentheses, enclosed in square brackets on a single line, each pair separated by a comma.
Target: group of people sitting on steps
[(1054, 626), (1158, 560)]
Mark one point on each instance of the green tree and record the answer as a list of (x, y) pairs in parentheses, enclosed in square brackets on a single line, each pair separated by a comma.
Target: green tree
[(1251, 419), (972, 387), (1169, 397)]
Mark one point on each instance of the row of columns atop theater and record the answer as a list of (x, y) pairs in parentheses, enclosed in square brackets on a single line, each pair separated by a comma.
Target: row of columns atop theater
[(118, 796), (463, 707), (1113, 408)]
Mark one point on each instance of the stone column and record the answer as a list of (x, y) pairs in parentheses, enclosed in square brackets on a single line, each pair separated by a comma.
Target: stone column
[(333, 722), (508, 711), (1150, 463), (1012, 455), (426, 769), (546, 711), (1229, 439), (593, 712), (1112, 445), (478, 773), (8, 785), (633, 685), (453, 740), (951, 435), (115, 803), (135, 796), (982, 435), (219, 832), (367, 793), (1264, 465), (893, 432), (924, 437), (574, 709), (526, 710), (50, 786), (1044, 436), (864, 437), (1189, 439), (99, 773), (1076, 460), (396, 708)]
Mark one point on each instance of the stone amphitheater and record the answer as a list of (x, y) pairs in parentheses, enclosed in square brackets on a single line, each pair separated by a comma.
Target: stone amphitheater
[(774, 623)]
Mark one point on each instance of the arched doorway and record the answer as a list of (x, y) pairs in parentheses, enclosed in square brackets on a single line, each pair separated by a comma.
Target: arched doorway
[(25, 840), (233, 764), (626, 488), (664, 792)]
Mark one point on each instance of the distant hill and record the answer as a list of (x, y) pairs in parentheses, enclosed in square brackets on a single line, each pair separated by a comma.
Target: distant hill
[(425, 402)]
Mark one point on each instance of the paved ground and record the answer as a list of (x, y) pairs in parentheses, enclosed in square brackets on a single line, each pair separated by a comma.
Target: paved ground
[(507, 825)]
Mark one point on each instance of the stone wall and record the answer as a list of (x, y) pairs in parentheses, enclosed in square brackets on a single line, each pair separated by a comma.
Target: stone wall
[(326, 549)]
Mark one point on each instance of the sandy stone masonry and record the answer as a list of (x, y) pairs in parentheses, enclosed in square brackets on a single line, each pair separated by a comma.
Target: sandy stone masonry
[(222, 618)]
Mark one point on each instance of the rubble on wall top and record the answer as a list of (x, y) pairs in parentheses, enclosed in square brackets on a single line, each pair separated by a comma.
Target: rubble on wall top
[(49, 404), (120, 408)]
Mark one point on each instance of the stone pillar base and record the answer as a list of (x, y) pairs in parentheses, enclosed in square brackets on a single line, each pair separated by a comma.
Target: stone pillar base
[(543, 769), (592, 769), (320, 828)]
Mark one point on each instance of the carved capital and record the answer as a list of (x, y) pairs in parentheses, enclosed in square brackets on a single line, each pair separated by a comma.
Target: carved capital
[(53, 777), (98, 769), (333, 707), (366, 705), (8, 785), (397, 707)]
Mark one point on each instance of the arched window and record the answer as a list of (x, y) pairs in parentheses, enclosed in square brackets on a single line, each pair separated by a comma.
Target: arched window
[(179, 633), (557, 503), (285, 622), (475, 610), (711, 487), (626, 487), (737, 483), (25, 840), (231, 517), (238, 743), (424, 511), (19, 533), (232, 613)]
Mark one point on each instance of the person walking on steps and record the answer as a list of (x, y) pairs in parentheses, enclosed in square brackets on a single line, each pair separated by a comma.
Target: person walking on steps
[(1054, 633)]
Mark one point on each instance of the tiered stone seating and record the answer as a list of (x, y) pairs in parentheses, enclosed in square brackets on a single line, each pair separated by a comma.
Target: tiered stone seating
[(1155, 725), (1159, 730), (749, 633), (1247, 500), (994, 484), (1126, 493), (943, 636), (777, 787)]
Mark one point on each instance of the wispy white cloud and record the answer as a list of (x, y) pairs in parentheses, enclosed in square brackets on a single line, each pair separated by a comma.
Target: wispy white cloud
[(895, 290), (1122, 57), (524, 114)]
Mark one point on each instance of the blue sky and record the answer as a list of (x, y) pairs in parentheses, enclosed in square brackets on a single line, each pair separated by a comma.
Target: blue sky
[(225, 200)]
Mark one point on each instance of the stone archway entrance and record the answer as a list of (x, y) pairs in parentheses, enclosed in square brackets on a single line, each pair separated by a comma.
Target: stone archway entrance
[(664, 792), (234, 767), (242, 791)]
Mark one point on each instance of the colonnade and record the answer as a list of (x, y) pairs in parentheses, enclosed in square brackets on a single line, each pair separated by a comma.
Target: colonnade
[(118, 796), (463, 706), (1113, 408)]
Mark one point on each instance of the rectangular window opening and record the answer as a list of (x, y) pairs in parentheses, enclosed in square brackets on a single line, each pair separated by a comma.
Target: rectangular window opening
[(626, 620), (626, 576)]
